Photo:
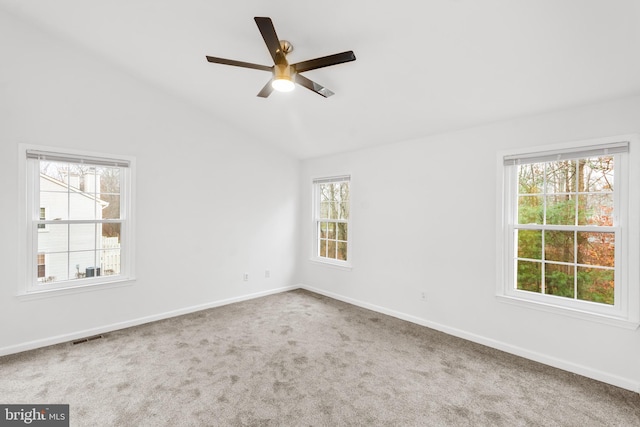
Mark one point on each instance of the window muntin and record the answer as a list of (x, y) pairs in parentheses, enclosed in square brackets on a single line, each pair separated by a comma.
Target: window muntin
[(567, 248), (332, 210), (87, 220), (566, 235)]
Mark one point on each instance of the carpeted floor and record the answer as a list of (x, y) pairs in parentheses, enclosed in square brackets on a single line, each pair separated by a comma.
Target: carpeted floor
[(300, 359)]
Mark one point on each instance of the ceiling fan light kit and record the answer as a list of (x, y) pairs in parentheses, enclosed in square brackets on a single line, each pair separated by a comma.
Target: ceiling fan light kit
[(283, 78), (285, 75)]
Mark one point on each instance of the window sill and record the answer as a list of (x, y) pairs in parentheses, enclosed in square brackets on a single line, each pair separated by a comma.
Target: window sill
[(571, 312), (70, 290), (337, 265)]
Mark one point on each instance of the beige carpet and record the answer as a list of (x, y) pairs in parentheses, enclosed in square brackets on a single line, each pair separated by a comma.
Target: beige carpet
[(300, 359)]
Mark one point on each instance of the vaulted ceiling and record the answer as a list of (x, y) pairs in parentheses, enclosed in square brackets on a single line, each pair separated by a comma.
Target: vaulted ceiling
[(422, 67)]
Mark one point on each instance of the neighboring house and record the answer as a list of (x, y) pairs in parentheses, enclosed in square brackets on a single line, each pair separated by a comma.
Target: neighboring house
[(72, 251)]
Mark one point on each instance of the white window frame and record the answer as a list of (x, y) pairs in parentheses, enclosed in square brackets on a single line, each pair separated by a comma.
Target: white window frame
[(29, 181), (625, 311), (317, 220)]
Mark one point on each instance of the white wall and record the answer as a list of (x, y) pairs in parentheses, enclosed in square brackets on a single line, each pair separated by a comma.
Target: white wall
[(210, 204), (423, 220)]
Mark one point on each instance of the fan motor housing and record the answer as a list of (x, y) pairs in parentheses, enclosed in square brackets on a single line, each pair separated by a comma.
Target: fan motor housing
[(286, 47), (283, 72)]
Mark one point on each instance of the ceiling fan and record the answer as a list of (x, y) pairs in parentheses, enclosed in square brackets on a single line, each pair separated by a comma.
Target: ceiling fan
[(285, 75)]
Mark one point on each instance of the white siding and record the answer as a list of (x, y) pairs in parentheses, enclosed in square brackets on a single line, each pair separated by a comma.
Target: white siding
[(80, 239)]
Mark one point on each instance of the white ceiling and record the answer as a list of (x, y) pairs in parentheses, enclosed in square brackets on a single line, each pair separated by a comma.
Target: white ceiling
[(422, 67)]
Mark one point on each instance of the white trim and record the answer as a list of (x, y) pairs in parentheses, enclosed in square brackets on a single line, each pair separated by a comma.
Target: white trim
[(566, 311), (327, 262), (490, 342), (76, 289), (31, 345), (315, 206), (28, 239), (626, 311), (479, 339)]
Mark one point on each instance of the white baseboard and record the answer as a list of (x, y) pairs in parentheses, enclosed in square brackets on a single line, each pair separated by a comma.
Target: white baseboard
[(499, 345), (31, 345)]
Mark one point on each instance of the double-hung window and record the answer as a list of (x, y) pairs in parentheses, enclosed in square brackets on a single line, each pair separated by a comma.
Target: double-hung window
[(569, 237), (78, 219), (331, 220)]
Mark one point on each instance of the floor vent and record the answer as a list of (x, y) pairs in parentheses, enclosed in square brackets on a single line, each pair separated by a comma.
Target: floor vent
[(87, 339)]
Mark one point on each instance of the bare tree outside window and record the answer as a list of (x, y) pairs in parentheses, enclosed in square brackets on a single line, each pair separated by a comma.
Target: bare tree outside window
[(568, 250), (332, 219)]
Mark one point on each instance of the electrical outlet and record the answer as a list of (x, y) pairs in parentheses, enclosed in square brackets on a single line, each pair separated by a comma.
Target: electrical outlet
[(423, 296), (267, 274), (245, 277)]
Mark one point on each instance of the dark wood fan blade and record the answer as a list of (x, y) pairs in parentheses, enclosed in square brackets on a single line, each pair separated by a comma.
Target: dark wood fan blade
[(311, 85), (325, 61), (238, 63), (266, 90), (270, 39)]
